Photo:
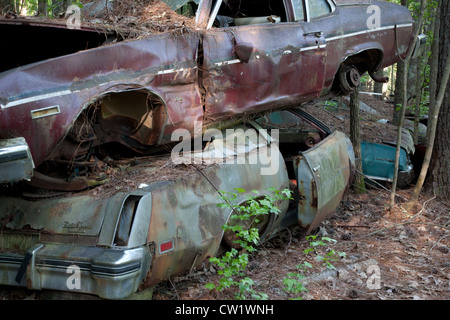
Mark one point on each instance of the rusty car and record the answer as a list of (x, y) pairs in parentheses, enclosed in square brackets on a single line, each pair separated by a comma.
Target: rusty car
[(159, 217), (89, 185), (241, 59)]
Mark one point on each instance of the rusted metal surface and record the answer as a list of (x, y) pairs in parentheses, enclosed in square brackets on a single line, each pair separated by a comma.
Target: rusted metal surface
[(158, 230), (140, 237), (201, 75), (162, 65), (186, 226), (323, 174)]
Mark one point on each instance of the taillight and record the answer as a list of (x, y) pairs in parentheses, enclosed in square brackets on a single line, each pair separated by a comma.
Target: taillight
[(166, 246), (126, 220)]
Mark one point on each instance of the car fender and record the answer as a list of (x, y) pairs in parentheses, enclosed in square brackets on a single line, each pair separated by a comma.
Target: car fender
[(374, 49)]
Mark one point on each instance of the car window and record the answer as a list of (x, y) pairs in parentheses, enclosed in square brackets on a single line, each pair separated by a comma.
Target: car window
[(239, 12), (318, 8), (298, 10)]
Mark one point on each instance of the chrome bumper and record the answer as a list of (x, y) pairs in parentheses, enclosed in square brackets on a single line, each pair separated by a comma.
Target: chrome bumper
[(420, 45), (106, 272), (16, 162)]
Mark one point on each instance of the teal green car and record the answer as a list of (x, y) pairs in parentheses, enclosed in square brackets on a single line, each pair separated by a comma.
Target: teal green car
[(378, 162)]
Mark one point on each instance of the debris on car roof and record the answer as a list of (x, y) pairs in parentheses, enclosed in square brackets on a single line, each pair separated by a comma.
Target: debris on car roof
[(129, 19), (133, 19)]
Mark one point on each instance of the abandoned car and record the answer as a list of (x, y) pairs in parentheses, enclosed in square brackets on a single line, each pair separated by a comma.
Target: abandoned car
[(87, 137), (378, 161), (135, 93), (155, 219)]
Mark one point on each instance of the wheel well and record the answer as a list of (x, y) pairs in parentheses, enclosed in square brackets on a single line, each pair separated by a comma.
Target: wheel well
[(364, 61), (367, 60), (262, 222), (135, 114), (117, 124)]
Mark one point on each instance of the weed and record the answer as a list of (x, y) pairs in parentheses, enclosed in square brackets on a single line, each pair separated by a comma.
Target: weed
[(293, 282), (242, 222)]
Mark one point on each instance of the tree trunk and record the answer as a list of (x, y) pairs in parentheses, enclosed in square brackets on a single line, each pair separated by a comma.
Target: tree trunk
[(42, 8), (418, 99), (400, 122), (434, 59), (398, 94), (399, 85), (359, 185), (437, 154), (440, 163), (404, 103)]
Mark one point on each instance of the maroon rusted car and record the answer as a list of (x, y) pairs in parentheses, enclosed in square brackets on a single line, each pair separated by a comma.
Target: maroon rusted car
[(126, 98)]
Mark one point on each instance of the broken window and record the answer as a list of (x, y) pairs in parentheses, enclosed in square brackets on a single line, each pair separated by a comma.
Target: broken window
[(45, 40), (237, 12)]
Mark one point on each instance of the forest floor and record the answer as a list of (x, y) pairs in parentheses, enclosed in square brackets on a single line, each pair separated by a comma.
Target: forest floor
[(389, 254)]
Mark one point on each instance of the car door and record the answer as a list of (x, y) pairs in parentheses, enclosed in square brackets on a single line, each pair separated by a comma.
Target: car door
[(323, 175), (256, 57)]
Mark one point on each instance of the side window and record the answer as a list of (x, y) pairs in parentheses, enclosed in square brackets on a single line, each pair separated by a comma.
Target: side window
[(246, 12), (298, 10), (318, 8)]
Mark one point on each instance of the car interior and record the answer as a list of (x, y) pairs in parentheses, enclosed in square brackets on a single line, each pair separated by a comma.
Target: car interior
[(238, 12)]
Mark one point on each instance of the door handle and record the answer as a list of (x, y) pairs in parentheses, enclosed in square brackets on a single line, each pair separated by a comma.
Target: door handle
[(317, 34)]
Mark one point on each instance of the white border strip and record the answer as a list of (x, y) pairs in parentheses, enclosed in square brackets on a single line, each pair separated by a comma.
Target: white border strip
[(313, 48), (36, 98), (224, 63), (368, 31), (66, 92), (167, 71), (234, 61)]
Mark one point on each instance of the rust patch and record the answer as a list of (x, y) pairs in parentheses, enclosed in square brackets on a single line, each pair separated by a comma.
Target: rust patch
[(314, 200)]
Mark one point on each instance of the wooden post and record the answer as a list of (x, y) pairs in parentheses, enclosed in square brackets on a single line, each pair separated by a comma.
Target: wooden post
[(359, 185)]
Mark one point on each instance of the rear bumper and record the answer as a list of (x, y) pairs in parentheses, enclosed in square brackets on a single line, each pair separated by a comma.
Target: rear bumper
[(106, 272), (16, 162), (420, 45)]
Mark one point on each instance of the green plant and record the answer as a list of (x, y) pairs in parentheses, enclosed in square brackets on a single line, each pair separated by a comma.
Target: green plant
[(293, 283), (244, 224), (330, 104), (329, 256)]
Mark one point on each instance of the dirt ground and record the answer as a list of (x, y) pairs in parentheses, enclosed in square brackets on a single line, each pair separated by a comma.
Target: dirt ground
[(394, 255)]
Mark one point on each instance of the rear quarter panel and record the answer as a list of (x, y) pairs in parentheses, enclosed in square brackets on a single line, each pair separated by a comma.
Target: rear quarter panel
[(352, 29), (186, 214)]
